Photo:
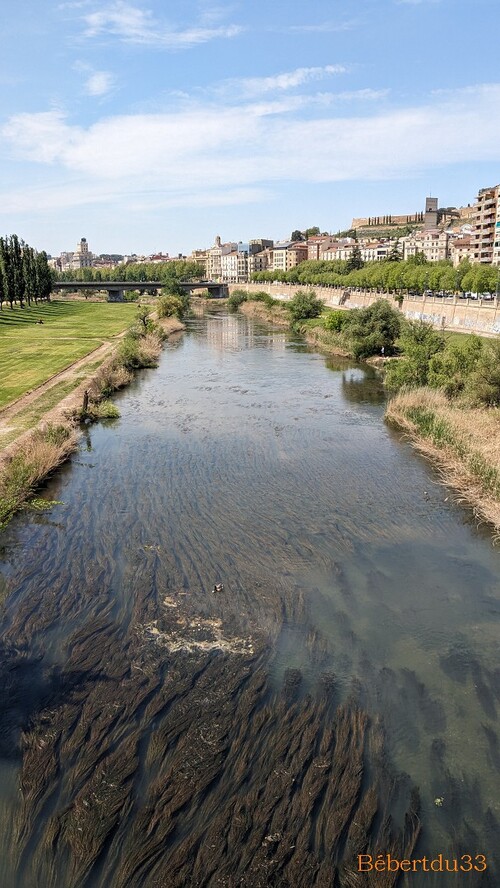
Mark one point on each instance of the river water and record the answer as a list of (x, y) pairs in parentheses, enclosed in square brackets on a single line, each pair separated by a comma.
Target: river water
[(156, 733)]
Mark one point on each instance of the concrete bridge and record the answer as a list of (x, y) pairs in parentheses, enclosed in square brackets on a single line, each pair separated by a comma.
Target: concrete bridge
[(116, 289)]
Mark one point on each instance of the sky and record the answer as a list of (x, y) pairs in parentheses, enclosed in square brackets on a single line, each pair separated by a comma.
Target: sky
[(156, 125)]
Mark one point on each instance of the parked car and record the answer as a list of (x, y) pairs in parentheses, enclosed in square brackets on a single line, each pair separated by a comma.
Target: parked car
[(487, 296)]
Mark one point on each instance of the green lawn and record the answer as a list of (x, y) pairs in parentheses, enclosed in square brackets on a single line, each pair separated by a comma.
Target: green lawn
[(31, 353)]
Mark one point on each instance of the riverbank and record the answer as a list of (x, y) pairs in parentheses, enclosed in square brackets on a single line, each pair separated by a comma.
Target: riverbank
[(464, 445), (47, 443), (312, 331)]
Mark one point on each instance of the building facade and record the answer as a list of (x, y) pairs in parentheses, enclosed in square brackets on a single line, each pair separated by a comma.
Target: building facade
[(484, 231)]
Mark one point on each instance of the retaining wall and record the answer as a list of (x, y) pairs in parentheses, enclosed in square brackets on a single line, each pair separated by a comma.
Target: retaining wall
[(461, 315)]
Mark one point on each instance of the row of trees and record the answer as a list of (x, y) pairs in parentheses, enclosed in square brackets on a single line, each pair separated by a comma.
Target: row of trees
[(25, 276), (165, 272), (391, 276)]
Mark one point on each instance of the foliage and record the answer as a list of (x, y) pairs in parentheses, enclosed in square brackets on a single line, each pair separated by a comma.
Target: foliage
[(304, 305), (373, 328), (412, 274), (395, 254), (297, 235), (236, 298), (25, 276), (450, 369), (264, 297), (482, 386), (355, 262), (419, 342), (335, 321), (170, 305)]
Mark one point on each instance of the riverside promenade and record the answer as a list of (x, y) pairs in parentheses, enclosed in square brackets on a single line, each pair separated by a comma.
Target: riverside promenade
[(449, 313)]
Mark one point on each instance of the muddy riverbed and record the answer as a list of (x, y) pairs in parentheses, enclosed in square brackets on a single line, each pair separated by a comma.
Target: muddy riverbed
[(154, 733)]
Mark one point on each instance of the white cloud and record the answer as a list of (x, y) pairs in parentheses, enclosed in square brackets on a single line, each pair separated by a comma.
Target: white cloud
[(324, 27), (133, 25), (99, 83), (254, 86), (211, 152)]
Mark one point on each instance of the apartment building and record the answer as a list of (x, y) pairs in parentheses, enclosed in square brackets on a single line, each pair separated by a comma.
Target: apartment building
[(375, 251), (496, 241), (485, 221), (433, 243), (461, 248), (214, 258), (288, 254)]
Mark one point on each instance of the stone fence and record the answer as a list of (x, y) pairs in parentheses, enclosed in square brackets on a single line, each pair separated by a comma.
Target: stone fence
[(448, 313)]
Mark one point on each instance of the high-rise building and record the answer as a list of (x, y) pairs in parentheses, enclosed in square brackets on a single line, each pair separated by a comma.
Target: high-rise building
[(82, 257), (485, 233)]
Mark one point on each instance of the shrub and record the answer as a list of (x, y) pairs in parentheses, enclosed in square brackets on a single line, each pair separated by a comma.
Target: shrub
[(335, 321), (170, 306), (482, 387), (450, 369), (264, 297), (373, 328), (304, 305), (236, 298), (419, 342)]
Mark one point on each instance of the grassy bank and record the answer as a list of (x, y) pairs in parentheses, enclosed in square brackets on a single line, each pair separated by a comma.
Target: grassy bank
[(33, 352), (464, 444), (31, 459)]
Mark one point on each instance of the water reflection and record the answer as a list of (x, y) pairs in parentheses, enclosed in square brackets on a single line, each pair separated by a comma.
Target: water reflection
[(350, 580)]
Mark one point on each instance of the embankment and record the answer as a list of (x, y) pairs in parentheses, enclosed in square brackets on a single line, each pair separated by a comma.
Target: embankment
[(464, 445), (461, 315), (314, 335), (31, 458)]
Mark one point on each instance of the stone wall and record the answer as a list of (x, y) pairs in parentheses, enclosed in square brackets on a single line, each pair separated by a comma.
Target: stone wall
[(461, 315)]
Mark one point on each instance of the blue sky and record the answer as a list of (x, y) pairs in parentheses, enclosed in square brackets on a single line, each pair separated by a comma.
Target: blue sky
[(149, 125)]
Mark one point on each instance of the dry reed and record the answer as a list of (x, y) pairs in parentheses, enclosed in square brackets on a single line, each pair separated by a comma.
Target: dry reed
[(464, 443)]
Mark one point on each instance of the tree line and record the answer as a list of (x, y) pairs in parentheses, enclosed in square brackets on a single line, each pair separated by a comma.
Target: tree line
[(25, 276), (414, 274), (165, 272)]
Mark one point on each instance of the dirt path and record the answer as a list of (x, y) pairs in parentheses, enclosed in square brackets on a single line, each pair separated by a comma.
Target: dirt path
[(11, 410), (68, 400)]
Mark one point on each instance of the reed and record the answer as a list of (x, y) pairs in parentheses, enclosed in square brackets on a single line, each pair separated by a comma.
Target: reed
[(36, 457), (464, 443)]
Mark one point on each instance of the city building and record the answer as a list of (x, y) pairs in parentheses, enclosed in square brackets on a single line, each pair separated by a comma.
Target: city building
[(485, 221), (288, 254), (461, 248), (82, 257), (433, 243)]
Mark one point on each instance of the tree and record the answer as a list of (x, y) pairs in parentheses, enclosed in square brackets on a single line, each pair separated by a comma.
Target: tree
[(355, 260), (304, 305), (297, 235), (419, 342), (312, 232), (395, 254), (373, 328)]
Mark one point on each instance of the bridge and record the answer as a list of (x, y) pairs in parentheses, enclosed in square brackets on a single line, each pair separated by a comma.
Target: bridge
[(116, 289)]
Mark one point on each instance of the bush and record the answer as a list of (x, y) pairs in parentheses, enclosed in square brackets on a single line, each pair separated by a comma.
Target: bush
[(482, 387), (335, 321), (373, 328), (170, 306), (264, 297), (304, 305), (236, 298), (419, 342), (450, 369)]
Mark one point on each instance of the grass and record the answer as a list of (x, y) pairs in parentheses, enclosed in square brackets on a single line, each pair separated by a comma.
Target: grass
[(31, 353), (39, 454), (464, 443)]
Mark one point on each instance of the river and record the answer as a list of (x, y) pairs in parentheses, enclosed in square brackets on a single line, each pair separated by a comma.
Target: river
[(338, 697)]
